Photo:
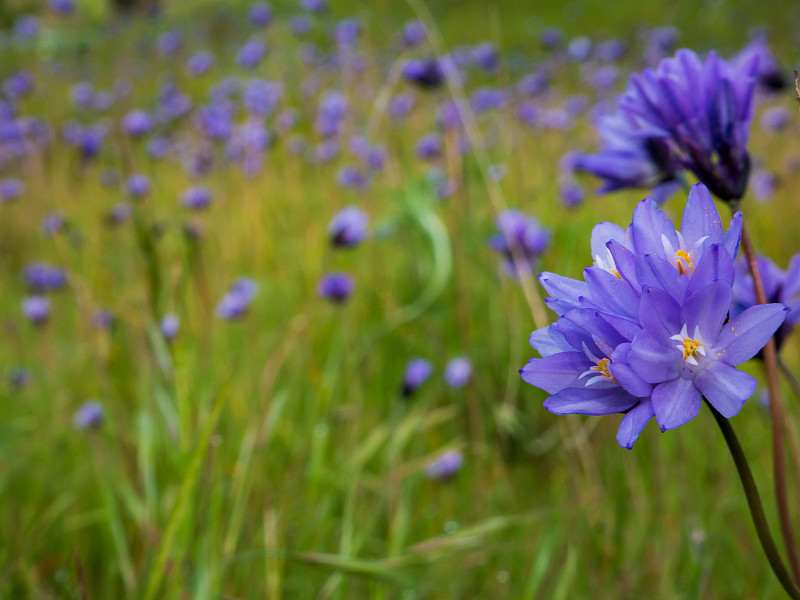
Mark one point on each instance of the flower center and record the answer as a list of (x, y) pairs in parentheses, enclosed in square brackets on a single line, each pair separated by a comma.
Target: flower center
[(599, 371), (684, 262), (690, 347)]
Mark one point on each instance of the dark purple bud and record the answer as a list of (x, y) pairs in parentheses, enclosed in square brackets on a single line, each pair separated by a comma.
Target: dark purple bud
[(426, 73), (350, 177), (336, 287)]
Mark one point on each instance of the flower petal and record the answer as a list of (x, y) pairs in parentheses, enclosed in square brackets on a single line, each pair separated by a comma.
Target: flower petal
[(648, 225), (659, 314), (548, 340), (621, 370), (611, 293), (652, 360), (655, 272), (675, 403), (707, 309), (555, 372), (748, 332), (590, 401), (633, 423), (715, 265), (734, 234), (564, 290), (726, 387), (701, 218)]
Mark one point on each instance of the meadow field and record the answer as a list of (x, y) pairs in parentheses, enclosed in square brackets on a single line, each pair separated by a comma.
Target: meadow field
[(166, 222)]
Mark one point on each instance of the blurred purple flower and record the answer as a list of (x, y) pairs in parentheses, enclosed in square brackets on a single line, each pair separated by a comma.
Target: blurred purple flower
[(417, 372), (169, 327), (336, 287), (429, 146), (350, 177), (348, 228), (36, 309), (197, 198), (445, 467), (414, 34), (251, 54), (485, 56), (138, 185), (89, 415), (41, 278), (260, 14), (169, 43), (11, 189), (137, 123), (425, 73), (458, 372), (235, 303), (520, 240)]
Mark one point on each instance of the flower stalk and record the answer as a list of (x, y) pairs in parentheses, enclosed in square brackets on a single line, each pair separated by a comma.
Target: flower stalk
[(755, 505), (777, 414)]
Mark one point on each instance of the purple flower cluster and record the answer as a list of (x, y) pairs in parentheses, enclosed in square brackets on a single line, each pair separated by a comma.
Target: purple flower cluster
[(521, 240), (687, 113), (235, 303), (648, 332)]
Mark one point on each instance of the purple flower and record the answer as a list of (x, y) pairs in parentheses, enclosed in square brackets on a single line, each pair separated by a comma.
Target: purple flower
[(521, 241), (169, 327), (10, 189), (89, 416), (687, 351), (119, 213), (53, 222), (487, 98), (551, 37), (579, 49), (629, 156), (347, 31), (41, 278), (62, 7), (260, 14), (37, 309), (417, 372), (445, 467), (350, 177), (534, 84), (169, 43), (702, 110), (458, 372), (429, 146), (414, 34), (776, 118), (401, 106), (646, 332), (200, 63), (235, 303), (261, 97), (300, 24), (426, 73), (763, 183), (103, 319), (137, 123), (611, 50), (331, 113), (571, 193), (197, 198), (26, 27), (770, 76), (251, 54), (485, 56), (19, 377), (316, 6), (348, 228), (779, 286), (138, 185), (336, 287)]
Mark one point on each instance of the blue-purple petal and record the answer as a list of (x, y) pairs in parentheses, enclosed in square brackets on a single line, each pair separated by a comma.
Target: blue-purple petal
[(748, 332), (590, 401), (555, 372), (675, 403), (726, 387), (633, 423)]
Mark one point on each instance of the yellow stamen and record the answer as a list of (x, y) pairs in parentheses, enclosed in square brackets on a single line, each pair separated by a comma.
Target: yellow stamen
[(690, 348), (684, 260), (602, 368)]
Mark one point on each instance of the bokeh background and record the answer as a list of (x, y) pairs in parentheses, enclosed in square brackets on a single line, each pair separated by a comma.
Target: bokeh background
[(272, 453)]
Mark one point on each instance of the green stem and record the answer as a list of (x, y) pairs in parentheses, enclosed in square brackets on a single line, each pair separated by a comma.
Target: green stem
[(754, 503)]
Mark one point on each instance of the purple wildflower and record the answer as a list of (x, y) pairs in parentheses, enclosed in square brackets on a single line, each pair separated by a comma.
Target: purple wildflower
[(336, 287), (418, 370), (235, 303), (10, 189), (89, 415), (62, 7), (485, 56), (429, 146), (445, 467), (137, 123), (260, 14), (426, 73), (169, 43), (37, 309), (169, 327), (413, 34), (103, 319), (458, 372), (41, 278), (521, 241), (138, 185), (251, 54), (200, 63), (197, 198), (348, 228)]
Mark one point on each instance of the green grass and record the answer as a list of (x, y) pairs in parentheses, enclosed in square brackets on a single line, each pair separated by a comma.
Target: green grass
[(273, 457)]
